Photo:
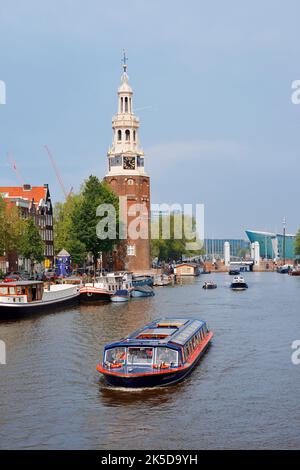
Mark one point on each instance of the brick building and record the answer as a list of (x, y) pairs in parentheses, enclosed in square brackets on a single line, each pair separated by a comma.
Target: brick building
[(128, 178), (32, 201)]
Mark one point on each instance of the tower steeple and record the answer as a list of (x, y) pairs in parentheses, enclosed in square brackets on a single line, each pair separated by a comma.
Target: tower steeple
[(125, 155)]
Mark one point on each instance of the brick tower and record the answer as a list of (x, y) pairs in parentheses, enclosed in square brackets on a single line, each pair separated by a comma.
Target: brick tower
[(127, 177)]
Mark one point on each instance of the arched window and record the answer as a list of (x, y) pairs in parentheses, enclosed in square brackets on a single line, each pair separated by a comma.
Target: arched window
[(119, 134), (133, 136), (130, 182), (130, 106), (127, 134), (122, 105), (126, 105)]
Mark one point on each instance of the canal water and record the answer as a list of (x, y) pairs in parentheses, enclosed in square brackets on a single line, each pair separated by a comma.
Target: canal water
[(245, 393)]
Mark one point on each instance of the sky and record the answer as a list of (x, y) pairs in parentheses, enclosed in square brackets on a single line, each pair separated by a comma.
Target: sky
[(212, 87)]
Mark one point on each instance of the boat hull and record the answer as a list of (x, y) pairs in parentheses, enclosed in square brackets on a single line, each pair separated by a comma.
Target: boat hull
[(13, 311), (89, 297)]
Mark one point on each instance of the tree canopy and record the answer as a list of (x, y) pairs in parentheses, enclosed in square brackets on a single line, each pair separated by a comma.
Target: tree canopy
[(11, 228), (31, 245), (76, 220)]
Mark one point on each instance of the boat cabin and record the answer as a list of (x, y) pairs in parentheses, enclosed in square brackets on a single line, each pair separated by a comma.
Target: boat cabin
[(187, 269), (21, 291), (163, 344)]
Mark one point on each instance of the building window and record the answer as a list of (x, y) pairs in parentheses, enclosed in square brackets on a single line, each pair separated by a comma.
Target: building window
[(126, 105), (130, 250), (127, 134), (119, 135), (122, 105), (130, 182), (134, 136)]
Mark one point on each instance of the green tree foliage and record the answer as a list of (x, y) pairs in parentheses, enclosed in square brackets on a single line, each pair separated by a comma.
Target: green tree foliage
[(75, 221), (174, 246), (11, 228), (32, 246), (297, 244)]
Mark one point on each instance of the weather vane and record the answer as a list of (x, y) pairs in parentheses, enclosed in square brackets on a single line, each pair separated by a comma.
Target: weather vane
[(124, 60)]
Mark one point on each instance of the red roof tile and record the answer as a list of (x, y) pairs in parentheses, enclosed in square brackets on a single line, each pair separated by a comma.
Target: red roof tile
[(36, 192)]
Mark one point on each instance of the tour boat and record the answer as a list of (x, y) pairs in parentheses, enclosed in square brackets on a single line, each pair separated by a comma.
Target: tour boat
[(239, 283), (21, 297), (161, 353), (209, 285), (105, 286), (142, 291)]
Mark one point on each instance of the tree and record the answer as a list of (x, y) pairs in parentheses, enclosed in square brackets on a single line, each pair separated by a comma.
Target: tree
[(297, 244), (32, 246), (11, 228), (85, 221), (176, 244)]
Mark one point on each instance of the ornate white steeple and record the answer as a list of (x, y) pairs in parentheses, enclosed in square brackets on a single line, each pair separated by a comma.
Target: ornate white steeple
[(125, 157)]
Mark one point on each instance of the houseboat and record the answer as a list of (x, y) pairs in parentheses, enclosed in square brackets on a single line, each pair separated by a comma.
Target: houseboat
[(186, 269), (161, 353), (163, 280), (21, 297), (105, 286), (238, 283)]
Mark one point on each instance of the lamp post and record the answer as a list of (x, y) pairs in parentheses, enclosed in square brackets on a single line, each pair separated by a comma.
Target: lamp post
[(283, 245)]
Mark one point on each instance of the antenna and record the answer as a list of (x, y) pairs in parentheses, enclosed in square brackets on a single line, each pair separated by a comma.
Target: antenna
[(15, 168), (124, 60), (59, 178)]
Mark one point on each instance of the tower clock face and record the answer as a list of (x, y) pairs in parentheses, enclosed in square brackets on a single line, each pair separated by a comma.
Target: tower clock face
[(129, 163)]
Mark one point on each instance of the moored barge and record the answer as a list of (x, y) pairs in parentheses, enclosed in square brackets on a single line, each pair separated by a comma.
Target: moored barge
[(161, 353), (26, 297)]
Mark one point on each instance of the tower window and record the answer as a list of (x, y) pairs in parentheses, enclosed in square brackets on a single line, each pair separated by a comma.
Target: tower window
[(119, 135), (126, 105), (122, 109), (130, 250), (127, 134), (134, 136), (130, 182)]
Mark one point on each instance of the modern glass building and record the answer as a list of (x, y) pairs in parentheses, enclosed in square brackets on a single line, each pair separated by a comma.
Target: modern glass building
[(271, 244), (215, 246)]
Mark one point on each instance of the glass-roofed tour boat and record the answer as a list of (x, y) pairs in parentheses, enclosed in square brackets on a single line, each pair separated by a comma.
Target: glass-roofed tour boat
[(161, 353)]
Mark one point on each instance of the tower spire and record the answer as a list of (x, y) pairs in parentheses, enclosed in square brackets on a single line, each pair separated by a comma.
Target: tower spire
[(124, 60)]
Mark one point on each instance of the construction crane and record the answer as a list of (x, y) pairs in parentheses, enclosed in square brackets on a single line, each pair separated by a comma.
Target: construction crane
[(14, 167), (66, 194)]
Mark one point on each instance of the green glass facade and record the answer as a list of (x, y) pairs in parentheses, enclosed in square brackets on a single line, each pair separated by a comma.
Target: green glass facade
[(271, 244)]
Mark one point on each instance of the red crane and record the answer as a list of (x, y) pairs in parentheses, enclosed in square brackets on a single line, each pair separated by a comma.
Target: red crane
[(15, 168), (66, 194)]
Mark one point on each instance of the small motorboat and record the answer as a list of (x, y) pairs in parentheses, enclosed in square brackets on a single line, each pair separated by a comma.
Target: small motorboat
[(142, 280), (209, 285), (239, 283), (142, 291), (234, 272), (162, 280), (295, 272), (121, 295), (161, 353)]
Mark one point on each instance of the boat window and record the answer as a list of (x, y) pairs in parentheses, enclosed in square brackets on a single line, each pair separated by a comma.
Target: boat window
[(3, 290), (140, 355), (115, 355), (12, 290), (167, 355)]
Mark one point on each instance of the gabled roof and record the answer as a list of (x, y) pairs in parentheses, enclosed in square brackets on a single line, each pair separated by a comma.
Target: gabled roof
[(36, 193)]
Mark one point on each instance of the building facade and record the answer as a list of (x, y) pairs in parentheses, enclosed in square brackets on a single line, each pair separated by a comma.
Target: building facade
[(128, 179), (273, 245), (214, 247), (34, 201)]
